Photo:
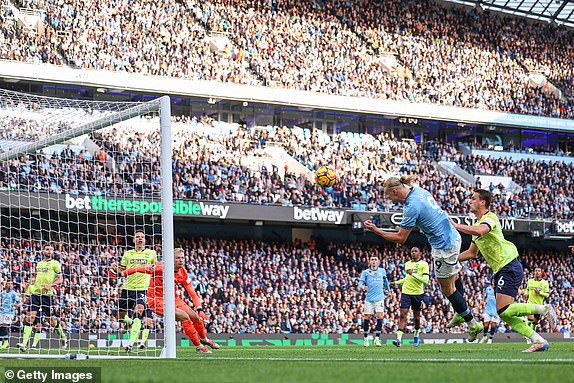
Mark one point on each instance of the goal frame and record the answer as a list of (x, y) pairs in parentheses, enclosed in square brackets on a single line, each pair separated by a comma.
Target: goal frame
[(162, 106)]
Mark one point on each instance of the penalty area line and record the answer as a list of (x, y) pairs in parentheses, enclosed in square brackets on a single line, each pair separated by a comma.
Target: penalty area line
[(418, 360)]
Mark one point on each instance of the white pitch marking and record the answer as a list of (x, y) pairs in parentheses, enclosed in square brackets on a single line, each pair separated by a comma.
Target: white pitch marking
[(427, 360)]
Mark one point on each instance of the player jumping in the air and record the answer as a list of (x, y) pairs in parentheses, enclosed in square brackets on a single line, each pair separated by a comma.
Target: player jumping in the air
[(421, 210), (502, 256)]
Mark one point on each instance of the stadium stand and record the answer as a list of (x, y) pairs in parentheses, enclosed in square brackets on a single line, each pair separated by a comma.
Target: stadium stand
[(387, 50), (209, 164), (267, 287)]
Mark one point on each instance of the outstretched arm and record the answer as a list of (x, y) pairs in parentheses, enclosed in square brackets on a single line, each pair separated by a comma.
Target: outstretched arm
[(147, 269), (478, 230), (424, 279), (399, 282), (398, 236)]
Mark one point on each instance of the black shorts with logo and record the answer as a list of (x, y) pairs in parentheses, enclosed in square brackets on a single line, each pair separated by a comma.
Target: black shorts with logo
[(130, 298), (41, 304), (509, 278), (414, 301)]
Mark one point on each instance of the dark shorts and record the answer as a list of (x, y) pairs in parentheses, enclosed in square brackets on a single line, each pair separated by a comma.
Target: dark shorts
[(130, 298), (509, 278), (41, 304), (414, 301)]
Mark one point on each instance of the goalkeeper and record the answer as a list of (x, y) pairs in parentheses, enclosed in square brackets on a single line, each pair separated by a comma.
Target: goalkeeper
[(192, 320)]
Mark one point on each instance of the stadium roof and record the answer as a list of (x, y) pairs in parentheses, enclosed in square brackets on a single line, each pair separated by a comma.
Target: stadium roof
[(558, 11)]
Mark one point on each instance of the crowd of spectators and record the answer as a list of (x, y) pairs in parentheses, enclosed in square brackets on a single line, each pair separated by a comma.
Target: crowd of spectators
[(467, 57), (547, 187), (545, 150), (211, 162), (250, 286), (20, 45), (444, 55)]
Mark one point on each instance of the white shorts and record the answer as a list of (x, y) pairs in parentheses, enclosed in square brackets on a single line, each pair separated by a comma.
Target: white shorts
[(445, 261), (374, 307), (490, 318), (6, 319)]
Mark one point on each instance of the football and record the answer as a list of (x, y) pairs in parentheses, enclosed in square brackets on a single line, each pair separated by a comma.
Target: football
[(325, 177)]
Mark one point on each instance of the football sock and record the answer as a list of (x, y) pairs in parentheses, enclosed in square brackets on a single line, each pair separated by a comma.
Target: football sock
[(492, 331), (365, 328), (36, 340), (145, 335), (511, 314), (459, 286), (459, 304), (27, 333), (400, 335), (189, 330), (379, 328), (200, 328), (60, 331), (523, 309), (135, 330)]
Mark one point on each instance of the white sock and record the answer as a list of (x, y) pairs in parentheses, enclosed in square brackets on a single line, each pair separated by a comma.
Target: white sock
[(472, 323), (541, 309), (536, 338)]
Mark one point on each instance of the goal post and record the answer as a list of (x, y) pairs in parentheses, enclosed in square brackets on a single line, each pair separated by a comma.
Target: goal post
[(82, 177)]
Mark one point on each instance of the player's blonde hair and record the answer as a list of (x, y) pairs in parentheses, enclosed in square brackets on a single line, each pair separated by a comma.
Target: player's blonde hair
[(178, 250), (393, 182)]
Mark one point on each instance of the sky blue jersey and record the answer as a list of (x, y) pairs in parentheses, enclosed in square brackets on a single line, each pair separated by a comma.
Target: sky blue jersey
[(377, 282), (422, 211), (9, 300), (490, 302)]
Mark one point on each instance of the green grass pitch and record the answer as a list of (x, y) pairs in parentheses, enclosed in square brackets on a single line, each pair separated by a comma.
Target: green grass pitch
[(460, 363)]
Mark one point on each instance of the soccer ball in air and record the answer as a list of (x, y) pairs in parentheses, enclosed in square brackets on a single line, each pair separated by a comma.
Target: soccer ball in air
[(325, 177)]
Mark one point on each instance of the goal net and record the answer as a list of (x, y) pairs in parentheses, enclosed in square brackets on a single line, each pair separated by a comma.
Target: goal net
[(82, 198)]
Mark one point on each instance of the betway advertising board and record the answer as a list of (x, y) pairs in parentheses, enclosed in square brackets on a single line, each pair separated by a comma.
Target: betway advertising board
[(182, 208), (223, 211)]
